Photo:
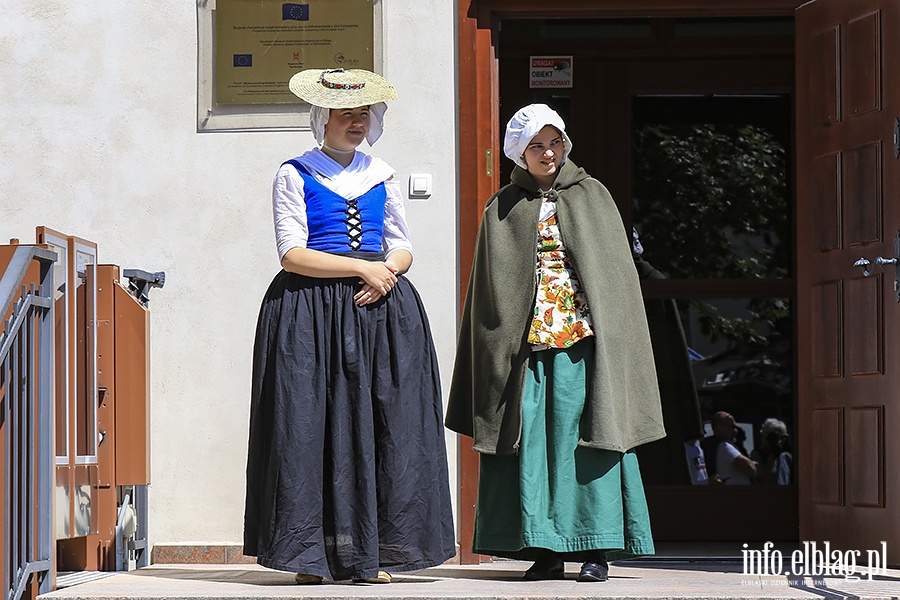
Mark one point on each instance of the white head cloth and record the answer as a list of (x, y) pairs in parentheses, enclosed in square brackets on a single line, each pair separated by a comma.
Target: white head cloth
[(526, 124), (318, 116)]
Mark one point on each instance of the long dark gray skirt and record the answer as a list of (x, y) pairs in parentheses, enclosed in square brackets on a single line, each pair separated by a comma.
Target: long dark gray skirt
[(347, 468)]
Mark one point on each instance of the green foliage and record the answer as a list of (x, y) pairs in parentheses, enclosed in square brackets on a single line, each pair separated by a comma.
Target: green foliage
[(711, 201)]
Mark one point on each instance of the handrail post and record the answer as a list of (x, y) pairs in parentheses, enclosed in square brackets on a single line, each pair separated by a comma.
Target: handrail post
[(47, 441)]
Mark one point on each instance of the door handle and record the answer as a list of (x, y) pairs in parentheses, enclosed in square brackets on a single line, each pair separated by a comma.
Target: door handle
[(880, 261)]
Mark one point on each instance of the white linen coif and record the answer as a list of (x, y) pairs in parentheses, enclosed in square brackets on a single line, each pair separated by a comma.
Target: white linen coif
[(526, 124), (318, 117)]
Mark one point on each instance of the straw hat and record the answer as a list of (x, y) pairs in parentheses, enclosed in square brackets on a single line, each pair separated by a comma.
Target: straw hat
[(340, 88)]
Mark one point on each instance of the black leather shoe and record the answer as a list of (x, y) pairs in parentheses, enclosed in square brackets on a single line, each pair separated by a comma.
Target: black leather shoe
[(551, 567), (594, 571)]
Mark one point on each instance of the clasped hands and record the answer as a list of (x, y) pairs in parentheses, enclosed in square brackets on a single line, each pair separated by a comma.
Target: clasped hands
[(377, 279)]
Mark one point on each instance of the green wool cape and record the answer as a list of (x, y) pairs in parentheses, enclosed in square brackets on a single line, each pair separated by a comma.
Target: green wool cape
[(623, 408)]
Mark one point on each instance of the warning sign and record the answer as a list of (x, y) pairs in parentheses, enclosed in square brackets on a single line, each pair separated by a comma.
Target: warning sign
[(550, 72)]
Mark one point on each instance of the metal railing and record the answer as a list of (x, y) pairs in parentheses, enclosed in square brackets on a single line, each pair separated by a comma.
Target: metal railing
[(26, 420)]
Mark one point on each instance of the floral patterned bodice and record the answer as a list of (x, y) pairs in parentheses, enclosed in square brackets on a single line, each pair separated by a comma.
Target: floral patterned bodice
[(561, 314)]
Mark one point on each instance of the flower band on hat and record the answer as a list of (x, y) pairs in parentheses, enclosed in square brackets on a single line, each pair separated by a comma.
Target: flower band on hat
[(326, 89), (339, 86)]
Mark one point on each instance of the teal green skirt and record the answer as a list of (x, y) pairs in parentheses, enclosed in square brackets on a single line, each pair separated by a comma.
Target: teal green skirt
[(556, 494)]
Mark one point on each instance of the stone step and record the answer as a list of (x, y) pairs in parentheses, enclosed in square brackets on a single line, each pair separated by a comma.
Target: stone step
[(696, 578)]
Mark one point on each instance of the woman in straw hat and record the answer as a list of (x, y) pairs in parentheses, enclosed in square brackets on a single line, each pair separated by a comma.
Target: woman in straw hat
[(347, 470), (554, 376)]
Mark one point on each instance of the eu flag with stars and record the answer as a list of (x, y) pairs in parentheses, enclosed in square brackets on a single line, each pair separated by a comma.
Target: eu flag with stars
[(295, 12), (243, 60)]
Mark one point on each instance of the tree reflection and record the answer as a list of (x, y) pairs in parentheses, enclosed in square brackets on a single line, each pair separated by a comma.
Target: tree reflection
[(711, 201)]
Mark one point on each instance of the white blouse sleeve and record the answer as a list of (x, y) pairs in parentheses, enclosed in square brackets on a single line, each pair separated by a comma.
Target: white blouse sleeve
[(289, 210), (396, 231)]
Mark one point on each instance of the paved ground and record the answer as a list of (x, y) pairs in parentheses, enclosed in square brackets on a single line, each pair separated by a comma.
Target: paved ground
[(685, 578)]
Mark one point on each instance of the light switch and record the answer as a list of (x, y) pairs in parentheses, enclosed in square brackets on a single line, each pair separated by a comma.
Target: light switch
[(420, 185)]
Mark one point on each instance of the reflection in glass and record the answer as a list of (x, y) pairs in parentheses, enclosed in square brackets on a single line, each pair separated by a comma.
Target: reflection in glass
[(63, 503), (663, 461), (711, 196), (744, 367), (712, 201)]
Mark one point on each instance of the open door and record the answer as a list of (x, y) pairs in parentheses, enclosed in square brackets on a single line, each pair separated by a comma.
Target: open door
[(848, 322)]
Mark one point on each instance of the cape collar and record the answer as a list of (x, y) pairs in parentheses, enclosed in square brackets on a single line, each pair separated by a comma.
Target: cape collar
[(569, 175)]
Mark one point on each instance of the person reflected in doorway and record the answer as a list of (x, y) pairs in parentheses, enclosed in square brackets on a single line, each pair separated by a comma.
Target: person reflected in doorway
[(773, 455), (725, 464), (554, 375)]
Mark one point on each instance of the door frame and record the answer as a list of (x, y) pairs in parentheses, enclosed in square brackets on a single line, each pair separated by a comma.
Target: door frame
[(479, 135)]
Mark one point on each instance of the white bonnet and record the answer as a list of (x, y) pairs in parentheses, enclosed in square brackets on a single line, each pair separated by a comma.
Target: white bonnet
[(318, 116), (526, 124)]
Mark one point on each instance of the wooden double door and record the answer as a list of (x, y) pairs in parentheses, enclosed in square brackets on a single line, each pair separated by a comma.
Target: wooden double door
[(826, 67), (848, 181)]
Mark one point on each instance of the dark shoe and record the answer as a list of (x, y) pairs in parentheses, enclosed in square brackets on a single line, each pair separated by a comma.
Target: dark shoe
[(594, 571), (546, 567)]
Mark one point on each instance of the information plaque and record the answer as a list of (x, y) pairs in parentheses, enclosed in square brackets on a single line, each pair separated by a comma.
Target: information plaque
[(260, 44)]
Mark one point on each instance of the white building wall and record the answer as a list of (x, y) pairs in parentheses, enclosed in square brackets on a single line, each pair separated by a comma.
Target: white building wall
[(98, 139)]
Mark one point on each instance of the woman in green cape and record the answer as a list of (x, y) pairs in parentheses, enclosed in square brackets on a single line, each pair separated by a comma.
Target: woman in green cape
[(554, 376)]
